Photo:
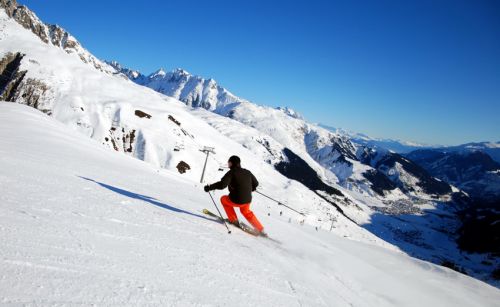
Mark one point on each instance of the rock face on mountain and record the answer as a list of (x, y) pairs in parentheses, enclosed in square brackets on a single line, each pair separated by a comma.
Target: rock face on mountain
[(10, 75), (15, 86)]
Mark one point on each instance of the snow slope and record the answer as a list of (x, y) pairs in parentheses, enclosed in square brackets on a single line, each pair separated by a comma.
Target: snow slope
[(81, 224), (164, 132)]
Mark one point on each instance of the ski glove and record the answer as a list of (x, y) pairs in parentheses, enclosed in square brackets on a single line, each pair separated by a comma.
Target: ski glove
[(206, 188)]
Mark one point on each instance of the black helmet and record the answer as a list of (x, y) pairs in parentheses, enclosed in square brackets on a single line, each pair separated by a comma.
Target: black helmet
[(235, 161)]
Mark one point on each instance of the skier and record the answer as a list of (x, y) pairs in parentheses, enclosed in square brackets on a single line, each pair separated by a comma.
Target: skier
[(241, 183)]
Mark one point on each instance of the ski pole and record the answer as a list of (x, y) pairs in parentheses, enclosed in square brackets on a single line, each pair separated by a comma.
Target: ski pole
[(280, 203), (220, 214)]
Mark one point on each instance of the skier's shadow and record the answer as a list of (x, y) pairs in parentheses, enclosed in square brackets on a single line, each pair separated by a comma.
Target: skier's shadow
[(145, 198)]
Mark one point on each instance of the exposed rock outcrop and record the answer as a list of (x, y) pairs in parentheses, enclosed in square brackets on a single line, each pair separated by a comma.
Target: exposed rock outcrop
[(182, 167), (10, 75), (120, 139), (141, 114), (15, 87), (170, 117)]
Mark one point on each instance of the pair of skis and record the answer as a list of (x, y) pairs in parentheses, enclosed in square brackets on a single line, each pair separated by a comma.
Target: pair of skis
[(241, 226)]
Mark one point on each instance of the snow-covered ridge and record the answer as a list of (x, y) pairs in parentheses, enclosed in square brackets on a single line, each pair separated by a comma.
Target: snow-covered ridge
[(193, 90), (52, 34), (482, 145), (491, 148), (473, 171), (398, 146)]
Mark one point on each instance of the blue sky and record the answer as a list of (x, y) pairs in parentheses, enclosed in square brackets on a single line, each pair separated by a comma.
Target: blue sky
[(425, 71)]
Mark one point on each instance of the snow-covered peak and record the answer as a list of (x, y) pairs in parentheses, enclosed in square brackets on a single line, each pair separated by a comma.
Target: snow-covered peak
[(133, 75), (396, 145), (177, 74), (490, 148), (115, 64), (52, 34), (180, 72), (160, 73), (290, 112), (482, 145), (193, 90)]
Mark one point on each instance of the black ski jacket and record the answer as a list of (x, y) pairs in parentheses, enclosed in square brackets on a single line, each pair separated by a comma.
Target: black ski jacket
[(241, 183)]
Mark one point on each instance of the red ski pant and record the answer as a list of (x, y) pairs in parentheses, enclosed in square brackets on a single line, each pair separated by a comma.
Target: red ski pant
[(244, 209)]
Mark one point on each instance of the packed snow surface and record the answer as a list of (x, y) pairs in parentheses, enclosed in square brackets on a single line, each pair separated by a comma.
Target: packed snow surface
[(82, 224)]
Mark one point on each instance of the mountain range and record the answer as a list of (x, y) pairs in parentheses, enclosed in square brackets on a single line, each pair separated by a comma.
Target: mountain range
[(196, 91), (417, 201)]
